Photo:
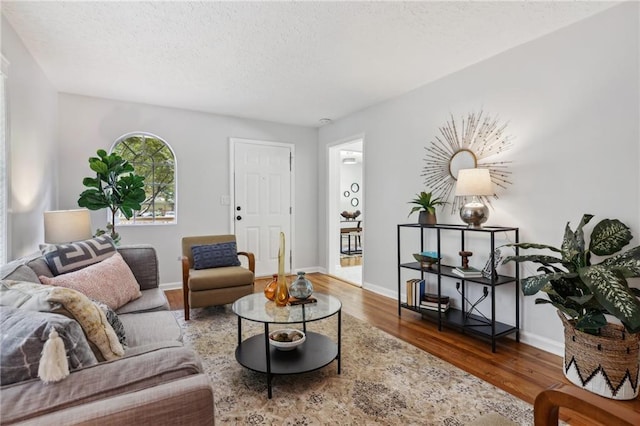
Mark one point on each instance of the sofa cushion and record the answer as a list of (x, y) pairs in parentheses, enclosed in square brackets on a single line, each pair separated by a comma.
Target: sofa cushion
[(22, 273), (215, 255), (32, 398), (151, 300), (64, 258), (23, 336), (143, 261), (149, 327), (110, 281), (214, 278)]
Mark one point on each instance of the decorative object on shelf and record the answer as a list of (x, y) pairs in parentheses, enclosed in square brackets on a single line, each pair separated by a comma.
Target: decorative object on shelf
[(301, 288), (584, 293), (270, 289), (346, 193), (282, 289), (355, 187), (426, 205), (465, 255), (355, 202), (427, 258), (116, 187), (350, 215), (67, 226), (476, 183), (469, 272), (490, 269), (465, 145), (286, 339)]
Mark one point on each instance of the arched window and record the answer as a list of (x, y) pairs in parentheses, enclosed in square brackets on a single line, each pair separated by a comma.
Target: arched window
[(154, 159)]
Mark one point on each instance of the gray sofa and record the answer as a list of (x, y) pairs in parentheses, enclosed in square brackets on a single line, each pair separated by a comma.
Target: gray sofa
[(157, 381)]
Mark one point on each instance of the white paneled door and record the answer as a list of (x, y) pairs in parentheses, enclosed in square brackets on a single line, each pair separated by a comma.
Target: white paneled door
[(262, 201)]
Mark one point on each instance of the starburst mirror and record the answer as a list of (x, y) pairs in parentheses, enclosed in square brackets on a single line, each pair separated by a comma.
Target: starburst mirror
[(473, 141)]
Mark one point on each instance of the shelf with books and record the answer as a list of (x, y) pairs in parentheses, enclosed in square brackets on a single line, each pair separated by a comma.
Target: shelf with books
[(464, 314)]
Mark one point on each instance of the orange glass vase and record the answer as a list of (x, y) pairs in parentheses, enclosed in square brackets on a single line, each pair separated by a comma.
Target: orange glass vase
[(282, 289), (270, 289)]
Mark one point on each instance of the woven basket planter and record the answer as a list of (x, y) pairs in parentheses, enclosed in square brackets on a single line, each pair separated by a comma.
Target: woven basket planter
[(606, 365)]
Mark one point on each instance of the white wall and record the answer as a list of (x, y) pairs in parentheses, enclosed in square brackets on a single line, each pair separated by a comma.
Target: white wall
[(32, 102), (350, 174), (201, 144), (572, 102)]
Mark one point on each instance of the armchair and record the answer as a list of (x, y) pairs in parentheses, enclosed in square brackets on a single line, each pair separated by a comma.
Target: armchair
[(215, 285)]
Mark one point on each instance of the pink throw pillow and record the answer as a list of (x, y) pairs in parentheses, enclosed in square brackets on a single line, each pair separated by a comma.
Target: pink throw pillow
[(110, 281)]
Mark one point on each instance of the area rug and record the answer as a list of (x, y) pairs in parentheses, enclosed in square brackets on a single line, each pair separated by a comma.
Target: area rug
[(384, 380)]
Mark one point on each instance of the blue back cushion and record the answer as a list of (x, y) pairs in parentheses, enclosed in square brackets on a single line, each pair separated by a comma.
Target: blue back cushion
[(215, 255)]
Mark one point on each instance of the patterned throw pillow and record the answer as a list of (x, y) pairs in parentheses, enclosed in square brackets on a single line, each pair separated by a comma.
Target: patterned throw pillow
[(110, 281), (32, 297), (65, 258), (92, 320), (23, 336), (113, 319), (215, 255)]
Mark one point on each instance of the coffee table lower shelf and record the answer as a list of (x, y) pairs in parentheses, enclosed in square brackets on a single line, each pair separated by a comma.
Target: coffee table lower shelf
[(316, 352)]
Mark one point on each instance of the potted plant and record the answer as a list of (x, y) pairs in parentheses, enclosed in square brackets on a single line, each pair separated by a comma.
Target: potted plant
[(115, 187), (426, 204), (599, 356)]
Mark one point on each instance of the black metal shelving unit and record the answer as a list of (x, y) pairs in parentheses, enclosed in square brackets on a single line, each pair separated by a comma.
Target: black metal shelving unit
[(462, 319)]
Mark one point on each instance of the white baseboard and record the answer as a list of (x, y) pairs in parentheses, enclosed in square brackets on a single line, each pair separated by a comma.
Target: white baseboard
[(540, 342), (170, 286)]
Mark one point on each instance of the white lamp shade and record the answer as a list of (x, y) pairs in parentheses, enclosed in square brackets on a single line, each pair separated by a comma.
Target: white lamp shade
[(66, 226), (474, 182)]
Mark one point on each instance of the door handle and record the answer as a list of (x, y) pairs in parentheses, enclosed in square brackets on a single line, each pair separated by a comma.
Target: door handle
[(238, 217)]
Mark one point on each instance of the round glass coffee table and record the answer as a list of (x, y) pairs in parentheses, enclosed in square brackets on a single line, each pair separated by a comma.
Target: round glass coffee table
[(318, 350)]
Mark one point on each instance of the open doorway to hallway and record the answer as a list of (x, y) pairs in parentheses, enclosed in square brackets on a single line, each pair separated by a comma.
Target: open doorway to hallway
[(346, 207)]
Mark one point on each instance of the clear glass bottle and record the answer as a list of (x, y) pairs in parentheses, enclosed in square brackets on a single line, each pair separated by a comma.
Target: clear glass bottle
[(301, 288)]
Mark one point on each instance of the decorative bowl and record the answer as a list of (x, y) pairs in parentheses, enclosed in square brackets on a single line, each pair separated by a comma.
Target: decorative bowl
[(427, 258), (283, 340)]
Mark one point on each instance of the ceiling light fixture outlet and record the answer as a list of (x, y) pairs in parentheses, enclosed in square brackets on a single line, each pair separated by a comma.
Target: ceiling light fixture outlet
[(324, 121)]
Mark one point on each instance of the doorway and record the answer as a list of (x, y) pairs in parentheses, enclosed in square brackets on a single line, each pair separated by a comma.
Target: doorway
[(346, 224), (261, 200)]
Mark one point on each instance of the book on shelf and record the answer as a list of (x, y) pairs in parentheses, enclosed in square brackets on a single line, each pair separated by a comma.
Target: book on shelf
[(469, 272), (415, 291), (443, 307)]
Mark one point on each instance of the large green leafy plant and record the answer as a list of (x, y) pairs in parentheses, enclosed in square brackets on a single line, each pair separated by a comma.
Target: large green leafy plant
[(115, 187), (585, 292)]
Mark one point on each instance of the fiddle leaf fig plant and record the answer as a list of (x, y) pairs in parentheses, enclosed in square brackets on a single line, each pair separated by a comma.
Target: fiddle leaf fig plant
[(583, 291), (115, 187), (426, 201)]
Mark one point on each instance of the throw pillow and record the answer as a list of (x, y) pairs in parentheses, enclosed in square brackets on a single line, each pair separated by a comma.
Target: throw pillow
[(65, 258), (23, 336), (92, 320), (114, 321), (32, 297), (110, 281), (215, 255)]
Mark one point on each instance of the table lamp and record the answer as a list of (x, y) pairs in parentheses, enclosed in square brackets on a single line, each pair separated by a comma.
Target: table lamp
[(66, 226), (474, 182)]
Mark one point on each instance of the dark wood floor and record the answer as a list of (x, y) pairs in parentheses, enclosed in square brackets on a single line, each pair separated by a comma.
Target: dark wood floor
[(520, 369)]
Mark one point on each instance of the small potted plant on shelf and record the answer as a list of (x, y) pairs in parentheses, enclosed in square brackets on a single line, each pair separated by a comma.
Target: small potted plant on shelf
[(600, 356), (426, 205)]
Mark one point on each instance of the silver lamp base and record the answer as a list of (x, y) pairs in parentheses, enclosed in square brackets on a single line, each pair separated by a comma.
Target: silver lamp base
[(474, 213)]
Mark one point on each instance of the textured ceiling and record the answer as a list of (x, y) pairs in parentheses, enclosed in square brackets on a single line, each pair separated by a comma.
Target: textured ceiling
[(278, 61)]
